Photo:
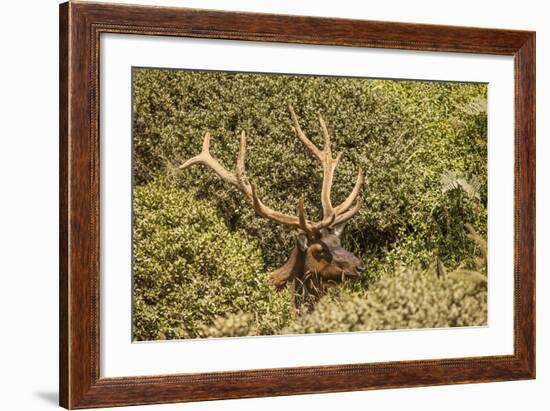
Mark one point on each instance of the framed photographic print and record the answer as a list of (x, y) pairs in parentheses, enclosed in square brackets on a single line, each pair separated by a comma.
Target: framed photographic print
[(257, 205)]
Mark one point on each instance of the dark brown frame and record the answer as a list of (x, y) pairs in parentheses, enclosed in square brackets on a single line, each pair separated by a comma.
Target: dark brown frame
[(80, 27)]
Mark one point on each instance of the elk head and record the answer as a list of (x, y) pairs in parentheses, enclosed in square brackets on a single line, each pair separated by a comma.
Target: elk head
[(317, 258)]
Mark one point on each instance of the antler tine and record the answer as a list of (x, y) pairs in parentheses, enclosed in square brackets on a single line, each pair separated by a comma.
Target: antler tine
[(302, 218), (326, 134), (325, 156), (352, 196), (309, 228), (249, 189), (263, 211), (241, 172), (329, 165), (344, 217), (324, 223), (307, 142), (205, 158)]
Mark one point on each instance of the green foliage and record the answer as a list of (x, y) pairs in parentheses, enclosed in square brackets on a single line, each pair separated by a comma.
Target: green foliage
[(190, 269), (405, 134), (201, 253), (407, 299), (234, 325)]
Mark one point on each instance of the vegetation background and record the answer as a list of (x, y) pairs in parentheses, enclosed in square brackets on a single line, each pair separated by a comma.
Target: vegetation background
[(201, 255)]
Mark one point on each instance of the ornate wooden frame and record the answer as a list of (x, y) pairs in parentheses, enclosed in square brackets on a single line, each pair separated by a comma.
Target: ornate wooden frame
[(80, 28)]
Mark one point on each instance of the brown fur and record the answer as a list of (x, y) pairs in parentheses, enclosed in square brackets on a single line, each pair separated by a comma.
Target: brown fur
[(314, 263)]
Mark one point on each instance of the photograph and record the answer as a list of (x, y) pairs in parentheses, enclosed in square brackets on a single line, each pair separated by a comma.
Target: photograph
[(270, 204)]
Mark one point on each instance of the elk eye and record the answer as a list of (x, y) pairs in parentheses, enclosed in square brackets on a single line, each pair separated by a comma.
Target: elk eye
[(318, 253)]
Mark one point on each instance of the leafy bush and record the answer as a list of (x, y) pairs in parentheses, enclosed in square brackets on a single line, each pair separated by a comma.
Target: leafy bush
[(233, 325), (190, 269), (408, 299), (195, 278), (201, 254), (404, 134)]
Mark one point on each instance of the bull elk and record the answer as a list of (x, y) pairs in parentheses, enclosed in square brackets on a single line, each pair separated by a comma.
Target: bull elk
[(318, 257)]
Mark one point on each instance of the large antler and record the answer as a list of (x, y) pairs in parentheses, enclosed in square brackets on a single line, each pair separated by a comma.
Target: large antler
[(331, 215), (342, 212), (241, 182)]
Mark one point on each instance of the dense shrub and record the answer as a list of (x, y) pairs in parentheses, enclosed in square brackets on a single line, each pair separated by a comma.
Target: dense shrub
[(195, 278), (233, 325), (407, 299), (190, 269), (405, 134), (201, 254)]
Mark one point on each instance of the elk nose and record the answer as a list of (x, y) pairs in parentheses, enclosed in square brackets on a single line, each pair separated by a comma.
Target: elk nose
[(360, 267)]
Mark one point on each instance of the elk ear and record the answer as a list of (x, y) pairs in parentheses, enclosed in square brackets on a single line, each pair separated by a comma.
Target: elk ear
[(302, 242), (337, 230)]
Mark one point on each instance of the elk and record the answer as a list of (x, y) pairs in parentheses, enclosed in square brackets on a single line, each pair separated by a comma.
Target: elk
[(318, 257)]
